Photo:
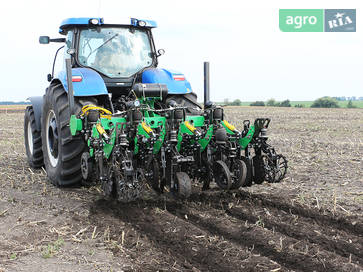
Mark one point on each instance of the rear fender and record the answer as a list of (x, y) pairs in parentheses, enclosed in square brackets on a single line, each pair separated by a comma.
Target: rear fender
[(86, 82), (37, 103), (175, 81)]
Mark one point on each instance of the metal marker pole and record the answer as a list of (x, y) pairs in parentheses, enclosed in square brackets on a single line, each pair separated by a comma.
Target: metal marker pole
[(70, 86)]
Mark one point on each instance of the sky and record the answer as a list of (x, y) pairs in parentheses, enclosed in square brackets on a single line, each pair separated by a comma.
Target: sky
[(250, 58)]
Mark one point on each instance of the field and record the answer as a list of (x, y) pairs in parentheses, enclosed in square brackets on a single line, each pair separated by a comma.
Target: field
[(11, 108), (307, 104), (312, 221)]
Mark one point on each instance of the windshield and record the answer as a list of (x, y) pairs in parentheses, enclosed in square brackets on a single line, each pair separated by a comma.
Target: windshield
[(115, 52)]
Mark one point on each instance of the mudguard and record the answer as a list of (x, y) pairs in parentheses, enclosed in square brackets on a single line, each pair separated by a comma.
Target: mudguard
[(37, 103), (176, 82), (86, 82)]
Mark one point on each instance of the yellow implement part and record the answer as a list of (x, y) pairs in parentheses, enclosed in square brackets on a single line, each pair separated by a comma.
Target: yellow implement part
[(229, 126), (104, 113), (100, 129), (146, 128), (189, 126)]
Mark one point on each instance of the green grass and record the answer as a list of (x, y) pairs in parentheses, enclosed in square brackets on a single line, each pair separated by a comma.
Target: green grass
[(13, 256), (52, 248)]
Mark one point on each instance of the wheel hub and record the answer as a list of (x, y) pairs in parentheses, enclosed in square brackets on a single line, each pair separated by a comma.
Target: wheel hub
[(30, 138), (52, 138)]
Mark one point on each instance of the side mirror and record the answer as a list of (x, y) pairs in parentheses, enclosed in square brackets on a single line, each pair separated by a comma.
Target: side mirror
[(49, 77), (160, 52), (44, 40)]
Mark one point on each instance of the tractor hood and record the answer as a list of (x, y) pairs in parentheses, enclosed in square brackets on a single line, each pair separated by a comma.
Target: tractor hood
[(176, 82)]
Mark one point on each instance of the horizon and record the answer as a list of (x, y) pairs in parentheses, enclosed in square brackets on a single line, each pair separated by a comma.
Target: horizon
[(353, 98)]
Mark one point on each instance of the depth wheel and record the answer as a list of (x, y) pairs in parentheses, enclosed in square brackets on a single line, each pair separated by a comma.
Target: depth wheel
[(281, 168), (32, 139), (248, 164), (222, 175), (259, 170), (88, 173), (269, 169), (239, 173), (153, 175), (183, 185)]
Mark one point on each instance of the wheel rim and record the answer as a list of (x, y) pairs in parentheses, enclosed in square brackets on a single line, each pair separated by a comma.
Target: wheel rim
[(52, 138), (30, 138), (222, 175)]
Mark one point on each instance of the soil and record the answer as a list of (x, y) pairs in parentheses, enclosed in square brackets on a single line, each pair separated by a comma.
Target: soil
[(311, 221)]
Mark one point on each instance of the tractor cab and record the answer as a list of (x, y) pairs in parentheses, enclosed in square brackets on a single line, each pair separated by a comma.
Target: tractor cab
[(119, 53), (111, 58)]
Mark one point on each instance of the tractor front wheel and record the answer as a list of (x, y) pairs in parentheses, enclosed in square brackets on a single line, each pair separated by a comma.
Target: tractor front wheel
[(33, 140)]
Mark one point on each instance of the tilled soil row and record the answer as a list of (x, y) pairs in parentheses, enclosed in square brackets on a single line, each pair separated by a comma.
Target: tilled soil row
[(176, 239), (343, 235), (190, 234)]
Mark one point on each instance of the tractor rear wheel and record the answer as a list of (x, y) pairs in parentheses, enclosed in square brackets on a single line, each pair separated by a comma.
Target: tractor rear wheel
[(188, 100), (33, 140), (62, 151)]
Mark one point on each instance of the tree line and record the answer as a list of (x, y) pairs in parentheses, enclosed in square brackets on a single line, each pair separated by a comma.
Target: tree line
[(322, 102)]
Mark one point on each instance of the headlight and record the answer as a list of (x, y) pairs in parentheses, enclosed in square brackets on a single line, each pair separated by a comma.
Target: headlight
[(141, 23), (94, 21)]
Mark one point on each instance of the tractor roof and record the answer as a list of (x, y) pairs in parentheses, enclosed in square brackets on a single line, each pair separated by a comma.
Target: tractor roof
[(92, 21)]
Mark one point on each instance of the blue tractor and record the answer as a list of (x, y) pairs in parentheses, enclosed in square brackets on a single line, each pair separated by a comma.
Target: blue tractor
[(111, 116)]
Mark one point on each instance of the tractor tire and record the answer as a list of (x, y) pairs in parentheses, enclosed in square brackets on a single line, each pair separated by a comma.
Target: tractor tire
[(62, 151), (239, 170), (183, 185), (32, 139), (259, 170), (187, 100)]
